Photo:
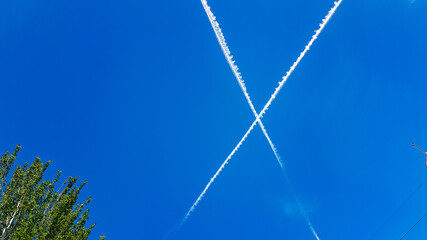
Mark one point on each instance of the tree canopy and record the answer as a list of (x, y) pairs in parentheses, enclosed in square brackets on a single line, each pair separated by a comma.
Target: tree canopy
[(31, 207)]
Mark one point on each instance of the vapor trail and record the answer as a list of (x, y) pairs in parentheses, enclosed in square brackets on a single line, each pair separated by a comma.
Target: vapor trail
[(216, 174), (277, 90), (273, 96), (221, 39), (302, 54), (227, 53), (235, 69)]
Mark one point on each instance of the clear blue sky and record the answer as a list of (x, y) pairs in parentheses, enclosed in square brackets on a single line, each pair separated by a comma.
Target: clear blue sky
[(137, 98)]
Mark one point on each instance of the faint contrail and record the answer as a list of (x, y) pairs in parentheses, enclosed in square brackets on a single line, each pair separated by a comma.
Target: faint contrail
[(227, 53), (273, 96)]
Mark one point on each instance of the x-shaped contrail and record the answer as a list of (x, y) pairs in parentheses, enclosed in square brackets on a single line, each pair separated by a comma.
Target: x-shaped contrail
[(221, 39), (234, 68)]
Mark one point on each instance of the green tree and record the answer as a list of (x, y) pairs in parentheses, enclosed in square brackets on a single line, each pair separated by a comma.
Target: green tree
[(31, 208)]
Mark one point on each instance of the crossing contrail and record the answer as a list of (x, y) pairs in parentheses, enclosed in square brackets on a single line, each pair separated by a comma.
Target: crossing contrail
[(227, 53), (267, 105)]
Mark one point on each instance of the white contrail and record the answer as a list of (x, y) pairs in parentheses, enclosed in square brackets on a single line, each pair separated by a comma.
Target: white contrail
[(302, 54), (221, 39), (235, 69), (217, 173), (273, 96), (281, 83), (227, 53)]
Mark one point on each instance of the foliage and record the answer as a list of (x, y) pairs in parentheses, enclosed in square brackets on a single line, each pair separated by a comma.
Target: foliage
[(31, 208)]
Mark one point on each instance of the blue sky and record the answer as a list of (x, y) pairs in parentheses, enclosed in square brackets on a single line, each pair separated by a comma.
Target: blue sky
[(137, 98)]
